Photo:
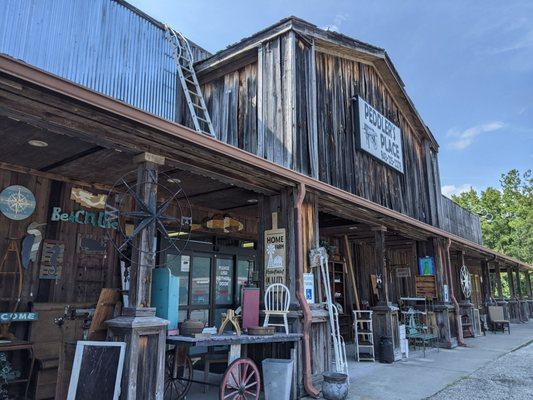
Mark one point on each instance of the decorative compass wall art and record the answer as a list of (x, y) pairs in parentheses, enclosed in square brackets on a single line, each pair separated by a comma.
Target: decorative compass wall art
[(17, 202), (171, 216)]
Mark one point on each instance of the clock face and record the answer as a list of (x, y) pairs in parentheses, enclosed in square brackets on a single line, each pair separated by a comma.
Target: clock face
[(17, 202)]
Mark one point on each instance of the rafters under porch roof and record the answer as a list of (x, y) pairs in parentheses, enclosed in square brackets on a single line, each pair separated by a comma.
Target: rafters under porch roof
[(41, 96)]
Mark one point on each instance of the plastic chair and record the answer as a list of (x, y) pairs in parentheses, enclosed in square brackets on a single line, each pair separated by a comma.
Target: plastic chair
[(277, 301)]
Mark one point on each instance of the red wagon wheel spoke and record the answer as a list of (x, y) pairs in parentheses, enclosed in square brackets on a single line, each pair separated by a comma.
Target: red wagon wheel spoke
[(241, 381)]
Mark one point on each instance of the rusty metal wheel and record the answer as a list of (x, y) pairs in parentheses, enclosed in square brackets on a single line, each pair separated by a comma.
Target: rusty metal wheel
[(241, 381), (178, 376)]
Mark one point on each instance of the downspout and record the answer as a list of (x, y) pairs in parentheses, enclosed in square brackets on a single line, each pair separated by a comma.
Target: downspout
[(460, 338), (307, 373)]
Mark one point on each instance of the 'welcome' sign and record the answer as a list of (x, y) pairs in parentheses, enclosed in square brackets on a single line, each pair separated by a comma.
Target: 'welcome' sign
[(379, 136)]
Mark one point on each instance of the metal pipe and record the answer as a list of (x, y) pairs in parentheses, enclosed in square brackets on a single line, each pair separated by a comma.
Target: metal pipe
[(307, 375), (458, 323)]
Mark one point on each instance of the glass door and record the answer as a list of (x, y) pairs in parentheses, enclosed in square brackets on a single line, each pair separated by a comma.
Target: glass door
[(200, 294), (223, 298)]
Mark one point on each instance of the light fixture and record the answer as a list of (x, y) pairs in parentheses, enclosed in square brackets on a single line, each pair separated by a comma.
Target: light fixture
[(251, 201), (37, 143), (173, 180), (247, 245)]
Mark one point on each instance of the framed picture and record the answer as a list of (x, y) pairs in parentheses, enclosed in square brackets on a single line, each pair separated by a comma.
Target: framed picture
[(97, 371), (426, 266)]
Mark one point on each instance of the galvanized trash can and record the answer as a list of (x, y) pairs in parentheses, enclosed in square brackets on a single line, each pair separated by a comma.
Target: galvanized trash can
[(277, 378)]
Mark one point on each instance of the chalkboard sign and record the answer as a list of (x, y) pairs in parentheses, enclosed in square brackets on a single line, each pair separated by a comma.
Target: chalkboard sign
[(96, 371)]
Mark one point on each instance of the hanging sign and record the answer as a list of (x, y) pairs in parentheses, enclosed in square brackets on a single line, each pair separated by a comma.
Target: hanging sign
[(97, 219), (88, 199), (17, 202), (379, 136), (52, 259), (309, 287), (446, 293), (6, 318), (275, 256), (426, 266), (403, 272)]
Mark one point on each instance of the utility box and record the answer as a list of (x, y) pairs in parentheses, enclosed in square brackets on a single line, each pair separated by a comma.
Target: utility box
[(165, 295)]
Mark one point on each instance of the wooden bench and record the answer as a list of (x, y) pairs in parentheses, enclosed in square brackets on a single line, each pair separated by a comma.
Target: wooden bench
[(497, 319)]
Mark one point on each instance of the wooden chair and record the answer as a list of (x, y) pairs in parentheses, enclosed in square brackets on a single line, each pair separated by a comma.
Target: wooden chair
[(497, 319), (277, 301)]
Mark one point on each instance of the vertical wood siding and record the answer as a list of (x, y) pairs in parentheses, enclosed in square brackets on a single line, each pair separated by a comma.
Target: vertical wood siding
[(338, 81)]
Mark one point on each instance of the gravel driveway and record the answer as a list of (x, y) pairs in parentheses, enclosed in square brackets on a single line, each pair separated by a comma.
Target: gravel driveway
[(508, 377)]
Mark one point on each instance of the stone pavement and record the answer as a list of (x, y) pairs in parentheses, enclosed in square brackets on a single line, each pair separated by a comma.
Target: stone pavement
[(420, 378)]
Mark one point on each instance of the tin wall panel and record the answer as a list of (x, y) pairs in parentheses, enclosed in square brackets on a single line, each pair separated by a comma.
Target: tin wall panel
[(101, 44)]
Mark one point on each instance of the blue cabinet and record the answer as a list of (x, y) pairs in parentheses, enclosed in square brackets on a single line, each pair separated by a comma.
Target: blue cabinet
[(165, 295)]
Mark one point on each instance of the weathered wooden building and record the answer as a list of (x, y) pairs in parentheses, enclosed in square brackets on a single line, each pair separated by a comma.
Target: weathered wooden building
[(288, 105)]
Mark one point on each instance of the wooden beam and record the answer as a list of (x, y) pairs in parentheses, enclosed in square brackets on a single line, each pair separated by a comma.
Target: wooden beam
[(351, 270)]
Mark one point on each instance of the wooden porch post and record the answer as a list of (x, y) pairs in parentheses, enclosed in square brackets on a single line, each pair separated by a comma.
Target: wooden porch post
[(518, 286), (380, 263), (528, 284), (385, 316), (512, 294), (498, 281), (143, 332), (487, 288)]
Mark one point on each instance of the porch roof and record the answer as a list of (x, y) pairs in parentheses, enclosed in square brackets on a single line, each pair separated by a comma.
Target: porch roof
[(48, 101)]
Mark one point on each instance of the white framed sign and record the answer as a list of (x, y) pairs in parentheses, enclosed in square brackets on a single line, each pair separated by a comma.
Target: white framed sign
[(379, 136), (275, 256), (99, 365)]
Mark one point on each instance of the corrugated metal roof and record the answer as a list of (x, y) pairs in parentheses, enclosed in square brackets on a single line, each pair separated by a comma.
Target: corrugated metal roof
[(102, 44)]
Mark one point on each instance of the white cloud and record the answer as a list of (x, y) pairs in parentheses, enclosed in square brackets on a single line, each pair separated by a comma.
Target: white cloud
[(449, 190), (463, 139), (337, 23)]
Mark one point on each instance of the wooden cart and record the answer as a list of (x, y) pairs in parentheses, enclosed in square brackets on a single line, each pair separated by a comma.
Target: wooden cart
[(241, 379)]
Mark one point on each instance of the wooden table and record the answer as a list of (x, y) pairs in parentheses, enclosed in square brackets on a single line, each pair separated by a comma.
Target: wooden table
[(179, 366)]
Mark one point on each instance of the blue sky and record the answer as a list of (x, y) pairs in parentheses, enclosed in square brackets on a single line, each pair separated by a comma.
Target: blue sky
[(468, 66)]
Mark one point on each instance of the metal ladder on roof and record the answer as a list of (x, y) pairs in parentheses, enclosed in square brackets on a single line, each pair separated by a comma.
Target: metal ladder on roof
[(191, 88)]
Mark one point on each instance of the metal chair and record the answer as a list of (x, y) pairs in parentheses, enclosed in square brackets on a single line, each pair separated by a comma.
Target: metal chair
[(277, 300)]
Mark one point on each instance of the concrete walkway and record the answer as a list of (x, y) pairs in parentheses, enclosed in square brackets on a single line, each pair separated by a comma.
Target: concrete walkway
[(420, 378)]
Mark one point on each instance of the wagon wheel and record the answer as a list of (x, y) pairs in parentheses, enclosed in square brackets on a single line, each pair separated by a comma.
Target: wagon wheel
[(177, 376), (241, 381)]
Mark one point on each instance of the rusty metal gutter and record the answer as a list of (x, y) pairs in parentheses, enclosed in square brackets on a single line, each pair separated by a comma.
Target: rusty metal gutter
[(181, 133), (307, 317), (458, 322)]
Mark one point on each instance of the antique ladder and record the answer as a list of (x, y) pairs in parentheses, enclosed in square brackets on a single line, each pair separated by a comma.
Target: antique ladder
[(319, 257), (191, 88)]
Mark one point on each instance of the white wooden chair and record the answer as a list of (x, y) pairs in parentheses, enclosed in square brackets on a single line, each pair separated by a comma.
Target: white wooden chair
[(277, 301)]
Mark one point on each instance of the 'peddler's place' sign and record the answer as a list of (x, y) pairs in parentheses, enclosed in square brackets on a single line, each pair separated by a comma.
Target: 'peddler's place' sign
[(97, 219), (379, 136)]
